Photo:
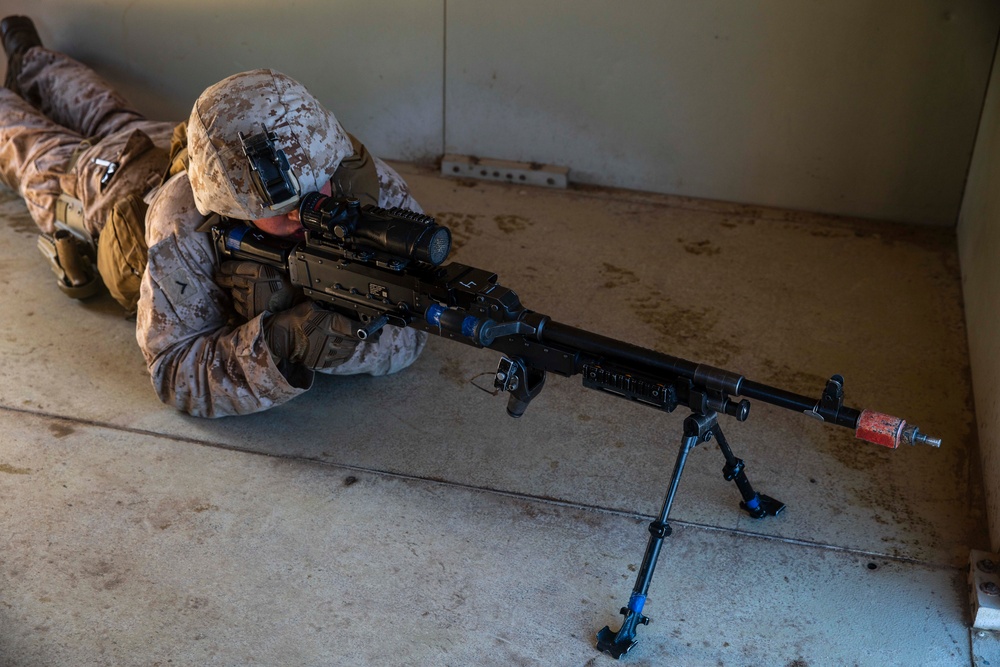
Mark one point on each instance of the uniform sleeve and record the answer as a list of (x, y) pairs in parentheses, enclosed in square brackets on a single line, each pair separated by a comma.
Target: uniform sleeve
[(393, 190), (200, 360)]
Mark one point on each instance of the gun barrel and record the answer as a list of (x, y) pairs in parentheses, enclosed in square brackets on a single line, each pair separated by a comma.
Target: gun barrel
[(657, 363), (791, 401), (874, 427), (604, 347)]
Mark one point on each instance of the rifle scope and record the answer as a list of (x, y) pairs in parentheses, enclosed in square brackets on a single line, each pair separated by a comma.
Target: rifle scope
[(395, 231)]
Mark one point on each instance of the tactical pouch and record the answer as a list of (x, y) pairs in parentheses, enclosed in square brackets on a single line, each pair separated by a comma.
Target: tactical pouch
[(178, 158), (122, 252)]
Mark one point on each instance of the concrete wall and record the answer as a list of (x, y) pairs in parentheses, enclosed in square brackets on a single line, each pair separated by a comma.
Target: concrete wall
[(979, 250), (852, 107), (856, 107), (377, 65)]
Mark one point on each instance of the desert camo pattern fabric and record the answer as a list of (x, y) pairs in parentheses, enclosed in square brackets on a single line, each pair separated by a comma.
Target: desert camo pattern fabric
[(202, 357), (219, 171), (56, 138)]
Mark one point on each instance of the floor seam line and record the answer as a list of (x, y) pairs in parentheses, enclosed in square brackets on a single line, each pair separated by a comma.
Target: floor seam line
[(481, 489)]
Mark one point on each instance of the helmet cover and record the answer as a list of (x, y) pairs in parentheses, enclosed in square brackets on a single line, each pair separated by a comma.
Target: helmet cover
[(312, 140)]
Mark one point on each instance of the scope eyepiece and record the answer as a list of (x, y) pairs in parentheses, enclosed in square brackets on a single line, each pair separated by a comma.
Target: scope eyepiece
[(398, 232)]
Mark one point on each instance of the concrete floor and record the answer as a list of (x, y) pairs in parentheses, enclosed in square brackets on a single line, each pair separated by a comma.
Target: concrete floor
[(408, 521)]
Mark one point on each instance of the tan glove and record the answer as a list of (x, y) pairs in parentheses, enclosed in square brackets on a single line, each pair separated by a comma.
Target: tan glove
[(311, 336), (255, 288)]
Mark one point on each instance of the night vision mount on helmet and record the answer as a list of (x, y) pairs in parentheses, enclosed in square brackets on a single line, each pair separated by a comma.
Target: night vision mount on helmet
[(272, 178)]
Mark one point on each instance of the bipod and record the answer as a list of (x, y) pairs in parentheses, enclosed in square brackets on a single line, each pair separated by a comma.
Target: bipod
[(698, 428)]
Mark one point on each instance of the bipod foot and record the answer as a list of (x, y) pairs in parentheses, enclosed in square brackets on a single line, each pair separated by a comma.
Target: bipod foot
[(617, 644), (757, 505), (761, 506)]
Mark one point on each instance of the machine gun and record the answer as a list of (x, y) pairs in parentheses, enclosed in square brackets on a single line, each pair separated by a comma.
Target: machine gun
[(382, 266)]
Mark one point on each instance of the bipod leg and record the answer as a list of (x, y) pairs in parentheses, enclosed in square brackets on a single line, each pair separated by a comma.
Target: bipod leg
[(755, 504), (697, 429)]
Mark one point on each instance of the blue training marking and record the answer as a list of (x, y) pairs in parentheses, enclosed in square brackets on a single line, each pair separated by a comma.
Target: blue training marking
[(433, 315), (234, 239), (636, 603), (469, 326)]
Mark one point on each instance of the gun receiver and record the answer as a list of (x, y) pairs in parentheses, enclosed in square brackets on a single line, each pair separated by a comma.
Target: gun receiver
[(381, 267)]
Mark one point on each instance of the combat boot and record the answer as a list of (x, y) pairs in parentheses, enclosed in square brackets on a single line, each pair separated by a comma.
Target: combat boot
[(18, 34)]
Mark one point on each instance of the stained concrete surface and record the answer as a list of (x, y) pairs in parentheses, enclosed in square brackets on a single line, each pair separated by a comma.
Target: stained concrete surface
[(407, 520)]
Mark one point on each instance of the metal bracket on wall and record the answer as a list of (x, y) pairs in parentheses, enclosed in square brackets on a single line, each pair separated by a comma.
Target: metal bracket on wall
[(521, 173), (984, 590)]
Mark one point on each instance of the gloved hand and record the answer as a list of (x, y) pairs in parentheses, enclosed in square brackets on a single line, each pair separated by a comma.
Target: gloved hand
[(255, 288), (311, 336)]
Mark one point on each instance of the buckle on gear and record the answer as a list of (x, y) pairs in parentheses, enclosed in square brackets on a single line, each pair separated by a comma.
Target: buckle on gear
[(70, 251)]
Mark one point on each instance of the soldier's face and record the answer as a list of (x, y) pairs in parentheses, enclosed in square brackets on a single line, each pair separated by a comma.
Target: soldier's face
[(280, 225)]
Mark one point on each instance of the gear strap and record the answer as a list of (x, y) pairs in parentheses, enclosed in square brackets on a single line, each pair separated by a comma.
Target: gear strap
[(356, 175), (69, 211)]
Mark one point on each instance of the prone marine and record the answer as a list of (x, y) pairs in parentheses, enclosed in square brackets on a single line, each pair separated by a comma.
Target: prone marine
[(126, 202)]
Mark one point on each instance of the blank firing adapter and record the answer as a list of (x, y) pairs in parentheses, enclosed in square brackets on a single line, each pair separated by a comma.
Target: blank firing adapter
[(270, 173)]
